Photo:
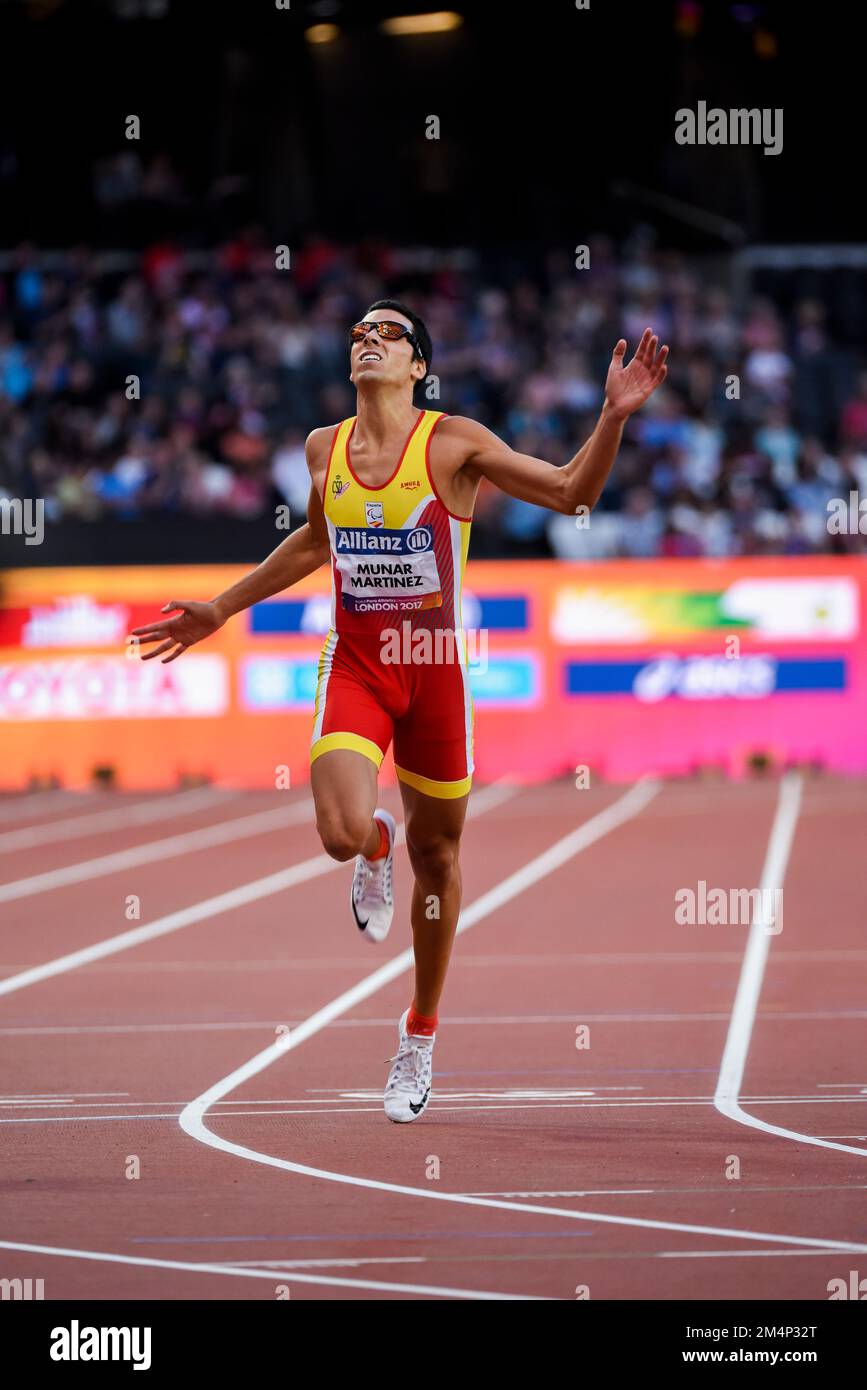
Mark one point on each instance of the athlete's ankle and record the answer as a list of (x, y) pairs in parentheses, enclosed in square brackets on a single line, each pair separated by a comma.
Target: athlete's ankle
[(382, 848), (421, 1025)]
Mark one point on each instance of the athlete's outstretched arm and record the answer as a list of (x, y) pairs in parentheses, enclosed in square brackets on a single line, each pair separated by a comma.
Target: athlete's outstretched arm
[(299, 555), (579, 482)]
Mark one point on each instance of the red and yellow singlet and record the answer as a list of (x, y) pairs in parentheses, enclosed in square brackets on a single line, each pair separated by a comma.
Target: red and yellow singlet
[(394, 662)]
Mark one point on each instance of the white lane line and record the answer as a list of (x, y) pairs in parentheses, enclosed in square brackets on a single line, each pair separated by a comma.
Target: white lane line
[(107, 1119), (44, 1095), (60, 1095), (627, 806), (486, 798), (39, 1104), (737, 1046), (352, 1263), (587, 1098), (583, 1192), (661, 958), (357, 1105), (680, 1191), (210, 907), (191, 1119), (541, 961), (13, 808), (265, 1025), (96, 822), (285, 1100), (679, 1255), (358, 1108), (174, 921), (736, 1254), (224, 832), (702, 1254), (291, 1277)]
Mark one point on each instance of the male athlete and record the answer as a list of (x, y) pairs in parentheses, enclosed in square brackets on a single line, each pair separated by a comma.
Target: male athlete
[(390, 506)]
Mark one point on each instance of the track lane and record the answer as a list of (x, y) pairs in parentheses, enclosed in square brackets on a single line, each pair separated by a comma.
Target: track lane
[(644, 1032)]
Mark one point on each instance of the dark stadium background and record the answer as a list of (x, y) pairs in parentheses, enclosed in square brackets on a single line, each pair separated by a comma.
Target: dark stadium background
[(544, 108)]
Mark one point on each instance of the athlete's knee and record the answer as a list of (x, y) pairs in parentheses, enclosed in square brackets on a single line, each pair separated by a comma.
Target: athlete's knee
[(343, 836), (434, 860)]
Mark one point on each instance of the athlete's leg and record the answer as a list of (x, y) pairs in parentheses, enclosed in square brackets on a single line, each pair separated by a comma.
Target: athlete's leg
[(433, 834), (351, 732), (344, 794)]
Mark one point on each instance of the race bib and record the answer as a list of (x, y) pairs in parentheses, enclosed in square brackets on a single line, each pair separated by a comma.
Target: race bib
[(387, 571)]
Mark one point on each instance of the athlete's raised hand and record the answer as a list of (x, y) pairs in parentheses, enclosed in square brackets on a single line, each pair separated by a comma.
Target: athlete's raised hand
[(193, 622), (628, 387)]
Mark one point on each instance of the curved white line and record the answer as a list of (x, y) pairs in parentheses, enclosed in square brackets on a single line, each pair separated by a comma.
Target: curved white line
[(275, 1276), (192, 1116), (734, 1059), (192, 1122)]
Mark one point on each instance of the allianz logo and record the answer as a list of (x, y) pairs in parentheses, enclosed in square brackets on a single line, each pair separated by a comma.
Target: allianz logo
[(419, 539), (362, 540)]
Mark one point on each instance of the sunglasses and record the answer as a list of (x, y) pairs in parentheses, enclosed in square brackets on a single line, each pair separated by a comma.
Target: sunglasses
[(388, 329)]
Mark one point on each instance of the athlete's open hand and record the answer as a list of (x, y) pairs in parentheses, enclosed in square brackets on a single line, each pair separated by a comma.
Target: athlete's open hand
[(628, 387), (194, 621)]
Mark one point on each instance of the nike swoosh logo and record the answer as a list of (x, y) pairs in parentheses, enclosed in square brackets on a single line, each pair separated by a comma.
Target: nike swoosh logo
[(358, 922), (416, 1109)]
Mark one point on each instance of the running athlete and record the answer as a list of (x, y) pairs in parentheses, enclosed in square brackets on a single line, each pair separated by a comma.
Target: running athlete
[(391, 502)]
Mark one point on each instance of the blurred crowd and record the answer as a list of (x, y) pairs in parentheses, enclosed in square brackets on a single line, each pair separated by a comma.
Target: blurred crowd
[(164, 383)]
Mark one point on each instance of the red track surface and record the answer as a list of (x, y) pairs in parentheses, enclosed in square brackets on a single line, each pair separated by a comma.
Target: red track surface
[(99, 1061)]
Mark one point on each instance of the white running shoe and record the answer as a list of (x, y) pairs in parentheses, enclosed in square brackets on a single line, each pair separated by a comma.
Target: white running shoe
[(409, 1082), (371, 894)]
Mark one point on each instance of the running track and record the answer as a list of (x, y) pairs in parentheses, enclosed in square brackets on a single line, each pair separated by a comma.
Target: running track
[(233, 1040)]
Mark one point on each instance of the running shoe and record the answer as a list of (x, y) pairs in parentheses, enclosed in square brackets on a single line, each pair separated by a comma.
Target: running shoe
[(409, 1082), (371, 895)]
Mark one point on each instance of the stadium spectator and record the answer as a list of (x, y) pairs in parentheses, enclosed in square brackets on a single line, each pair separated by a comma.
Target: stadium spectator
[(180, 383)]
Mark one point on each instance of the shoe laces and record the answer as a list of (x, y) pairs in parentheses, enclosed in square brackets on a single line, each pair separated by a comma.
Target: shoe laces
[(412, 1070), (374, 875)]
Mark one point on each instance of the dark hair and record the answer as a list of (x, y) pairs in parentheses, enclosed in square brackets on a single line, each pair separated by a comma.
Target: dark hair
[(418, 326)]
